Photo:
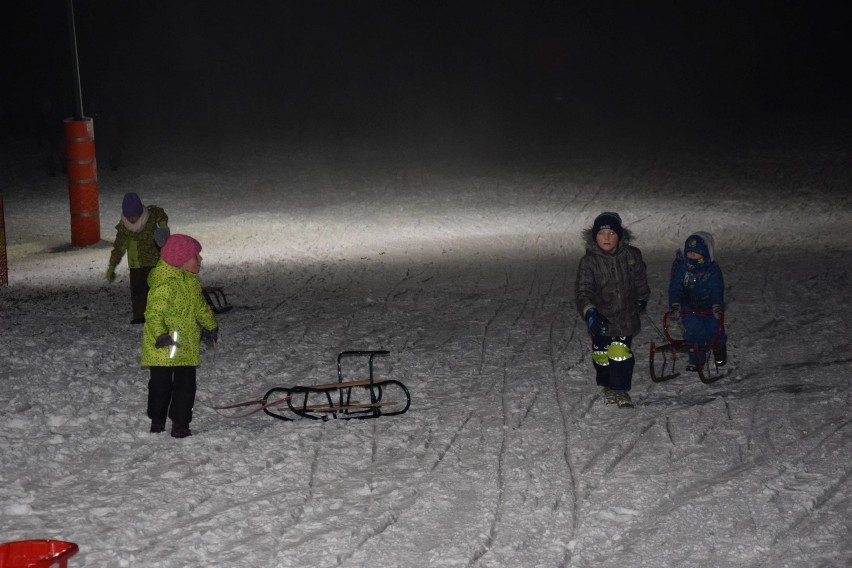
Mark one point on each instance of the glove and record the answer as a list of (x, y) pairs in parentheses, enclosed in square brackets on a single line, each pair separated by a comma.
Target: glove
[(210, 338), (161, 235), (674, 312), (717, 311), (164, 340), (110, 274), (643, 305), (597, 323)]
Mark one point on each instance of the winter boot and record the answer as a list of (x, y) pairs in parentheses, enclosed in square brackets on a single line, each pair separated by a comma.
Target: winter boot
[(609, 396), (692, 368), (158, 426), (721, 355), (180, 430), (622, 398)]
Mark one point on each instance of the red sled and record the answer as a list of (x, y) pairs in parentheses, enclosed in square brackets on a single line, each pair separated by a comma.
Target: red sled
[(663, 360), (36, 553)]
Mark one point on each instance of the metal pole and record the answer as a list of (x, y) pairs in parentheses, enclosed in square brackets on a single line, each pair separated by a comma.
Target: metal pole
[(75, 64), (4, 267), (82, 164)]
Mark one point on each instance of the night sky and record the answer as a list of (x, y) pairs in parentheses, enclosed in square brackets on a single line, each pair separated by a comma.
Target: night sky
[(261, 69)]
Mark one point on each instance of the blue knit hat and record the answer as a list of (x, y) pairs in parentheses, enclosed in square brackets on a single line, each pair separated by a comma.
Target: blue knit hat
[(132, 205), (608, 220)]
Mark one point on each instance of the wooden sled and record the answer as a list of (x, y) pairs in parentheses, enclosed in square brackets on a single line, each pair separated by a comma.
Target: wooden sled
[(663, 358), (384, 397)]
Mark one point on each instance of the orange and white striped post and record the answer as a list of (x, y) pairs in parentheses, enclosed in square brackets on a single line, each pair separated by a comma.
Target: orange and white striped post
[(82, 181), (80, 155)]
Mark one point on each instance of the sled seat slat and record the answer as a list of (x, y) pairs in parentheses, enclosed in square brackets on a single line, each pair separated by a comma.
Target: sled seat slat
[(338, 408), (346, 385)]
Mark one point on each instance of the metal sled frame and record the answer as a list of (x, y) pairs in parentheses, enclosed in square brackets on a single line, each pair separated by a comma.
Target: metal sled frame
[(663, 358), (216, 299), (317, 402)]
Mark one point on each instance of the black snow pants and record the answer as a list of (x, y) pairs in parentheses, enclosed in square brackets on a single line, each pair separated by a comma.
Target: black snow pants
[(171, 393), (139, 290)]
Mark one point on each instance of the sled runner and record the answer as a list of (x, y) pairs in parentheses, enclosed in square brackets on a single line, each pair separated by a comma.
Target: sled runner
[(663, 358), (216, 299)]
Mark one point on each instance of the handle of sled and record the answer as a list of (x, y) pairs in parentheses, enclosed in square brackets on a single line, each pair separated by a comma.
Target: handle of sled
[(372, 355), (706, 313)]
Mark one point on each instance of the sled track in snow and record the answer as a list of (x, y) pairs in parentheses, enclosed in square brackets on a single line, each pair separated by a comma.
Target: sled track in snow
[(198, 517), (485, 546), (623, 450), (441, 453), (366, 532), (691, 493), (813, 517), (556, 354), (522, 330)]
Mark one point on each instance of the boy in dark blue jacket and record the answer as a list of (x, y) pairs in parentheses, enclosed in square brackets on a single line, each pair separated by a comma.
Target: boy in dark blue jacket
[(696, 283)]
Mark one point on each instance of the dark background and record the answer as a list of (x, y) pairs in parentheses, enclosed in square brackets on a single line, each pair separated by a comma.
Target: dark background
[(452, 74)]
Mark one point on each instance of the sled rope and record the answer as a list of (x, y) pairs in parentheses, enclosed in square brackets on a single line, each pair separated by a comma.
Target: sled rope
[(253, 406)]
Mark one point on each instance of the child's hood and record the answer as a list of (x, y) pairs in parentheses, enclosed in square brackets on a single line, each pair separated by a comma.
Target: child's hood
[(164, 271), (703, 243)]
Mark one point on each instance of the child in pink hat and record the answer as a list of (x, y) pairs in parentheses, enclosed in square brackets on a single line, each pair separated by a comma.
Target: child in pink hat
[(177, 319)]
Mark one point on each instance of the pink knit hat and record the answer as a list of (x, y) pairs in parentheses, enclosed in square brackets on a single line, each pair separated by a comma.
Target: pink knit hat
[(178, 249)]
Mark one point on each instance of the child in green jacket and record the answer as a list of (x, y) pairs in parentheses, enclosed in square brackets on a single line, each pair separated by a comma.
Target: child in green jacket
[(140, 233), (171, 339)]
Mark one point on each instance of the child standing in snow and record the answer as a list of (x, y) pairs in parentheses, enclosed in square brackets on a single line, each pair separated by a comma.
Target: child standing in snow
[(140, 233), (611, 292), (696, 283), (177, 319)]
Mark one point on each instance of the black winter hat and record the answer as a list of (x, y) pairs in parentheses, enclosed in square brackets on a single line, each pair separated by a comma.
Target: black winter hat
[(608, 220)]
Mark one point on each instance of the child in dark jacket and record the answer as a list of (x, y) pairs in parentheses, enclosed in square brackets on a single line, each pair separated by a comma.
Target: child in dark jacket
[(696, 283), (177, 319), (611, 293)]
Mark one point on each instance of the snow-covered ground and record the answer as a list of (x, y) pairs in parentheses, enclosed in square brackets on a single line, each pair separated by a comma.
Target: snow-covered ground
[(464, 270)]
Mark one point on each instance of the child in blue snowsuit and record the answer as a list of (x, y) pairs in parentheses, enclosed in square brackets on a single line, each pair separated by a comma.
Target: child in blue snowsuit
[(696, 283)]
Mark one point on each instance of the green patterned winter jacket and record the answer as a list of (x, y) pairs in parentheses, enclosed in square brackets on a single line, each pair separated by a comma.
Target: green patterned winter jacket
[(175, 303), (141, 248)]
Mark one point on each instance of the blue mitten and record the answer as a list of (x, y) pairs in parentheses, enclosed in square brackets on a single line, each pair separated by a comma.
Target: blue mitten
[(597, 323), (161, 235)]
